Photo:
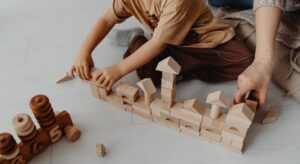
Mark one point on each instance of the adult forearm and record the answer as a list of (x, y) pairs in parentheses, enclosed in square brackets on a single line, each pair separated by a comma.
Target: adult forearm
[(142, 56), (267, 23), (97, 33)]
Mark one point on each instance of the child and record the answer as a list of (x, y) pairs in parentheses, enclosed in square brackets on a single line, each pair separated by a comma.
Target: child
[(205, 47)]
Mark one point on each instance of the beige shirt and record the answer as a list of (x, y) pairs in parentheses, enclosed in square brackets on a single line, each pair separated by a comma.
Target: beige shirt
[(187, 23)]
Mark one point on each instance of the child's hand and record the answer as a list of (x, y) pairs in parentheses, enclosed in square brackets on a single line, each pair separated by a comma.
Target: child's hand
[(82, 66), (108, 76), (256, 77)]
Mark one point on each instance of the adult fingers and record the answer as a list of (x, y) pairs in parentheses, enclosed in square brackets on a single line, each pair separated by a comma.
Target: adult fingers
[(243, 87), (110, 85), (72, 70), (87, 72), (78, 73), (106, 83), (262, 94), (81, 69), (101, 80)]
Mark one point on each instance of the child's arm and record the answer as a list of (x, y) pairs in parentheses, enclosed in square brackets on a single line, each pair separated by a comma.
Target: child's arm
[(84, 59), (108, 76)]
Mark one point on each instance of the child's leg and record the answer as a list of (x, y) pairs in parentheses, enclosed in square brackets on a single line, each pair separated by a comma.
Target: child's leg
[(223, 63)]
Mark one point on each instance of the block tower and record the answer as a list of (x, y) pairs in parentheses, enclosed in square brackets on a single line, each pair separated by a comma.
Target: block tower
[(169, 68)]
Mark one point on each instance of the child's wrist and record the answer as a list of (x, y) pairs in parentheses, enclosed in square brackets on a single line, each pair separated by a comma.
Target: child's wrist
[(121, 69)]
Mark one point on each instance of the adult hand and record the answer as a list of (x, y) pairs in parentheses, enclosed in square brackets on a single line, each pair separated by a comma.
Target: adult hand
[(256, 77)]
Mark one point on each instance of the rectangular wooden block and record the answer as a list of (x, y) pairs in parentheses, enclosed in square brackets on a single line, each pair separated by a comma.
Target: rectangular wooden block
[(209, 133), (103, 93), (128, 91), (237, 145), (168, 76), (189, 131), (128, 107), (188, 125), (227, 147), (116, 101), (233, 136), (140, 106), (252, 105), (166, 123), (169, 118), (142, 114), (226, 141), (156, 107), (94, 90), (168, 93), (166, 105), (167, 84), (207, 120), (219, 122)]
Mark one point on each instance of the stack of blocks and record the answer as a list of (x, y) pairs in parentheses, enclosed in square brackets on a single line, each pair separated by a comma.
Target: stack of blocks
[(34, 141), (224, 124)]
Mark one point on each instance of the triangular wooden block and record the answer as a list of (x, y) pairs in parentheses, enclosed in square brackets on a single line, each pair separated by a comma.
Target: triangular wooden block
[(270, 117), (169, 65), (65, 78)]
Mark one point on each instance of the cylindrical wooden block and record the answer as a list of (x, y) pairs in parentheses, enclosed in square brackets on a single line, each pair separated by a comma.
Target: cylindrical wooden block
[(8, 146), (100, 149), (24, 127), (72, 133), (215, 111), (43, 111)]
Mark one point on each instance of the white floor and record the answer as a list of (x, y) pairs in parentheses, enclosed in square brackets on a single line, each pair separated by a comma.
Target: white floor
[(38, 43)]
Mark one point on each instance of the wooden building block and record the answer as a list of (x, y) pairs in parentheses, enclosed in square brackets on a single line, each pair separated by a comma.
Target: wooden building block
[(100, 149), (24, 127), (128, 91), (241, 112), (233, 135), (169, 65), (103, 93), (219, 122), (140, 106), (128, 107), (147, 86), (169, 118), (142, 114), (176, 110), (237, 145), (168, 76), (253, 105), (156, 107), (207, 120), (167, 84), (72, 133), (189, 131), (219, 98), (66, 77), (94, 90), (167, 105), (194, 106), (166, 123), (168, 93), (189, 125), (209, 133), (270, 117), (218, 101), (115, 100), (226, 141)]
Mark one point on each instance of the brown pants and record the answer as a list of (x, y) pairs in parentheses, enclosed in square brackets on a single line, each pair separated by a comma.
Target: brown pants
[(223, 63)]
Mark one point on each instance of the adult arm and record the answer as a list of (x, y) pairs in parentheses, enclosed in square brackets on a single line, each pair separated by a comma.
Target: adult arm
[(257, 76)]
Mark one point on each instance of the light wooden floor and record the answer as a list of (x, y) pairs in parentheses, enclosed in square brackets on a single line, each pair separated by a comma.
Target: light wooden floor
[(38, 43)]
